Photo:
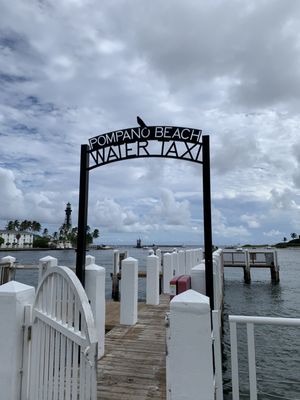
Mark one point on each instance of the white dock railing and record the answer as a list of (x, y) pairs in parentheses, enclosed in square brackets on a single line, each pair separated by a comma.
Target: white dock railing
[(250, 323)]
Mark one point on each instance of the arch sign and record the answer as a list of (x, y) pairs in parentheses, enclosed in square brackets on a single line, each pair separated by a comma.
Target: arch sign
[(152, 141), (145, 142)]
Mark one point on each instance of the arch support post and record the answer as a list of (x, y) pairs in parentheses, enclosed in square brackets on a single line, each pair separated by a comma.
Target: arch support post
[(82, 213), (207, 221)]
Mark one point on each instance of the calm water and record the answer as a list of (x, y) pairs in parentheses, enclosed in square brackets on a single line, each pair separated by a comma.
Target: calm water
[(68, 258), (277, 348)]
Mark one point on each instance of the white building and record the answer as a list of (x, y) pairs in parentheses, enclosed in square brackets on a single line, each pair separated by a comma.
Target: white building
[(64, 244), (16, 239)]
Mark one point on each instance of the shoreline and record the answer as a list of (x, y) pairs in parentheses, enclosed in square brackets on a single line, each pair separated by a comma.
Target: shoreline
[(35, 249), (52, 249)]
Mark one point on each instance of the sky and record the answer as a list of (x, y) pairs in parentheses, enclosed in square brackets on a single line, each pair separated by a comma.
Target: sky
[(73, 69)]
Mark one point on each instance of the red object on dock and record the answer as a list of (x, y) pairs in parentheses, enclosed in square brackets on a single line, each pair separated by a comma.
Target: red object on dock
[(184, 283), (179, 284)]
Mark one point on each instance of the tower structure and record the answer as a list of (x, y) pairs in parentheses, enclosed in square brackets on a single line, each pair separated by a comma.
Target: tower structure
[(68, 219)]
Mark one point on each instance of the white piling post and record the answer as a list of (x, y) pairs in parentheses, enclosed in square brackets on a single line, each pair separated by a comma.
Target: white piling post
[(199, 256), (116, 261), (167, 272), (247, 269), (188, 262), (198, 278), (194, 257), (152, 280), (44, 264), (95, 291), (217, 335), (181, 262), (8, 260), (218, 295), (14, 296), (175, 260), (276, 262), (129, 292), (219, 271), (90, 260), (123, 255), (189, 343), (8, 274), (158, 253)]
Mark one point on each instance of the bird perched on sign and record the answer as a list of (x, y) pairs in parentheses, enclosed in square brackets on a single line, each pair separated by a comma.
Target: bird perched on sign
[(141, 122)]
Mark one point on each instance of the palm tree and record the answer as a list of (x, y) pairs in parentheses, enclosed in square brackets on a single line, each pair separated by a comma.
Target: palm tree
[(284, 239), (10, 226), (36, 226), (16, 224), (294, 235), (95, 233), (24, 225)]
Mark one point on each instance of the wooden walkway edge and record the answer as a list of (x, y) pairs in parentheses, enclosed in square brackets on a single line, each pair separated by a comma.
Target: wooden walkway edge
[(133, 367)]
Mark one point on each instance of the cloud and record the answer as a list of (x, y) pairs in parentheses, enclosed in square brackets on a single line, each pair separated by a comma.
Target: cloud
[(164, 213), (225, 232), (169, 211), (12, 197), (70, 70), (17, 204), (110, 215), (273, 233), (250, 220), (235, 151), (285, 199)]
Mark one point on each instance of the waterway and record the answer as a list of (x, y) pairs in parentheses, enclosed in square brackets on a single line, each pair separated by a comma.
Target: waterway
[(277, 348)]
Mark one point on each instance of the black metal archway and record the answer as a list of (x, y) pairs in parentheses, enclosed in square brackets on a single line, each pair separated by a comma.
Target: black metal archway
[(145, 142)]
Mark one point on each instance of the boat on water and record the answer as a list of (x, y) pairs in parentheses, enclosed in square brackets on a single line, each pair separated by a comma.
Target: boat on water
[(100, 247)]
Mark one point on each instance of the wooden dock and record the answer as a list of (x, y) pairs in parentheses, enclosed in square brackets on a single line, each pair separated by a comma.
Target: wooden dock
[(133, 367)]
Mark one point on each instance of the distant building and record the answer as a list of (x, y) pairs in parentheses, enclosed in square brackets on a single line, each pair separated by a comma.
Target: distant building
[(16, 239), (63, 241), (68, 220), (64, 244)]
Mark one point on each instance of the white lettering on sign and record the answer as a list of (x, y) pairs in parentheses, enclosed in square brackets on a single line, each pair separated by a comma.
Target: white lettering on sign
[(145, 148), (159, 133)]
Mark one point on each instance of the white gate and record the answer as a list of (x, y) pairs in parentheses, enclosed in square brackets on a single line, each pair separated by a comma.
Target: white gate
[(64, 344)]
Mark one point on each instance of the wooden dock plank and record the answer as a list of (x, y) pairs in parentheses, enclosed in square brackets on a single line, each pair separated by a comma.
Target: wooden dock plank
[(133, 367)]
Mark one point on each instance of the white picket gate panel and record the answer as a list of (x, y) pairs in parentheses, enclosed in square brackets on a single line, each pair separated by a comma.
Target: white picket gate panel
[(64, 343)]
